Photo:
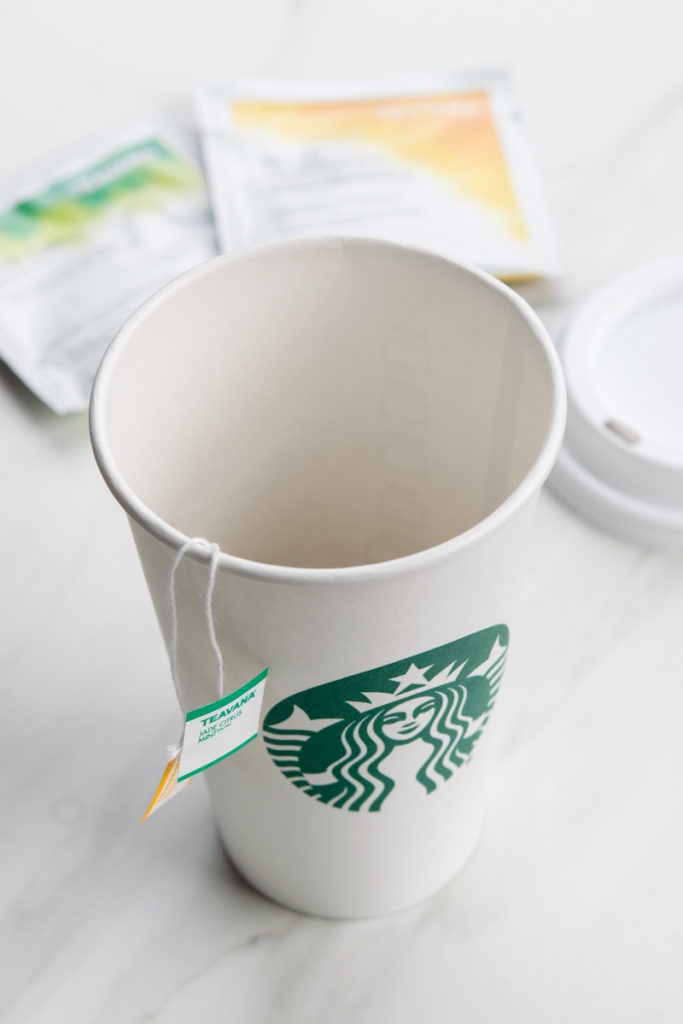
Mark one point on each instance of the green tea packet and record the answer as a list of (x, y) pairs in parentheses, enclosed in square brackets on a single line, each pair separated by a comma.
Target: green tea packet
[(82, 247)]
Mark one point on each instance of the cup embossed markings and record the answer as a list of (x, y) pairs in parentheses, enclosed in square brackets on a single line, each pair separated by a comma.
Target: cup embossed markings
[(404, 418)]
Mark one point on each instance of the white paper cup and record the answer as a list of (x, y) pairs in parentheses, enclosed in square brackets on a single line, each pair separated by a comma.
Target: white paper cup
[(364, 429)]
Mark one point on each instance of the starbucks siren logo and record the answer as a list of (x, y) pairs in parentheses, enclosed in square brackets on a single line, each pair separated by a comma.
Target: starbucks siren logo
[(338, 742)]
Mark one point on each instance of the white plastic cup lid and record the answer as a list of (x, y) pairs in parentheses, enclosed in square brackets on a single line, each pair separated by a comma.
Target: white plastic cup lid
[(622, 459)]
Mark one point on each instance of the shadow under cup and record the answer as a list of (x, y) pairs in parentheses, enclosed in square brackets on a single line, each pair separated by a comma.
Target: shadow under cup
[(326, 404)]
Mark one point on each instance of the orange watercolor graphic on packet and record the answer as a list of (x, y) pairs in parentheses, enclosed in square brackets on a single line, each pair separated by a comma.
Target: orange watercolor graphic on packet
[(453, 135)]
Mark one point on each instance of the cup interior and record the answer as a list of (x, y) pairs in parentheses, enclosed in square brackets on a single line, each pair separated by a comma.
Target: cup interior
[(327, 404)]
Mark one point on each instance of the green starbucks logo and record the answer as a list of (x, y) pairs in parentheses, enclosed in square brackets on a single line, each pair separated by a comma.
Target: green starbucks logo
[(343, 742)]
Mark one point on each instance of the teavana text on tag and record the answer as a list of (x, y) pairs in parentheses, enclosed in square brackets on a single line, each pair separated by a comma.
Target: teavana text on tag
[(217, 730)]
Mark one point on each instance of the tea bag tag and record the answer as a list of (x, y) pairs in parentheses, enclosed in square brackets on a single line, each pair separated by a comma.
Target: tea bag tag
[(215, 730), (211, 734)]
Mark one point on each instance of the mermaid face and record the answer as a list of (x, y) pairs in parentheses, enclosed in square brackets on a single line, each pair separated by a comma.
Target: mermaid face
[(405, 721)]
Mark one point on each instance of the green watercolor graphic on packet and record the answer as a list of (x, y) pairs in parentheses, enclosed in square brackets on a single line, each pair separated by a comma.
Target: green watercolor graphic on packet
[(144, 177)]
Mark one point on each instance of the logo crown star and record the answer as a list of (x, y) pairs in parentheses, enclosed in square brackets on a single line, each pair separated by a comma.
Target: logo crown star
[(299, 721), (412, 683)]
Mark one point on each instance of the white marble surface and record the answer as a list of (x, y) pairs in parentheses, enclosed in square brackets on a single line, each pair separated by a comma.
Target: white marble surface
[(571, 908)]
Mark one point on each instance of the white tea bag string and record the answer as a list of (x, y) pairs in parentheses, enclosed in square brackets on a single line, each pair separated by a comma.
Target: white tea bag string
[(208, 610)]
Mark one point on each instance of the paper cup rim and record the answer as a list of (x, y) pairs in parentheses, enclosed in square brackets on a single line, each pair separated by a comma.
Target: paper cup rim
[(294, 575)]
